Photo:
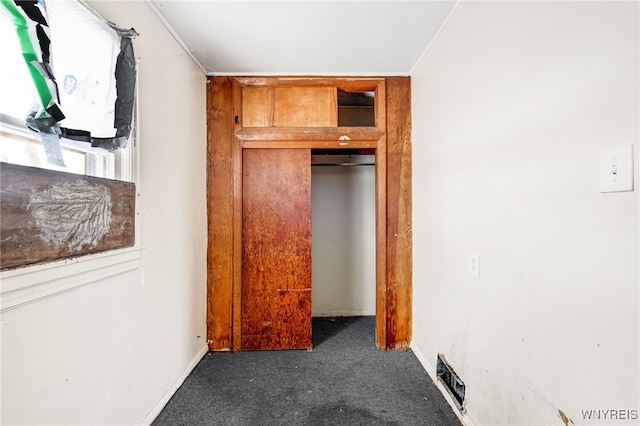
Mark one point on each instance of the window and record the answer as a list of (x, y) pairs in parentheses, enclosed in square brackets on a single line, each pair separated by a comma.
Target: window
[(66, 104), (19, 146), (83, 67)]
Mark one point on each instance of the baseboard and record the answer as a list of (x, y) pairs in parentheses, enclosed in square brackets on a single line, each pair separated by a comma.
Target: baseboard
[(428, 367), (155, 411)]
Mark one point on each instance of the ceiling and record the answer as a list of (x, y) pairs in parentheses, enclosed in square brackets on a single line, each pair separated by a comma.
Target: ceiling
[(352, 37)]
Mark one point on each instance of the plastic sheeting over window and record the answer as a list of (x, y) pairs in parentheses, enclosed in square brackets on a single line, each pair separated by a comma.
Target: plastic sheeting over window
[(83, 69)]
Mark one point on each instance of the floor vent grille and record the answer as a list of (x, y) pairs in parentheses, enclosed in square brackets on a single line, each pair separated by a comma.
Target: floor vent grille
[(451, 381)]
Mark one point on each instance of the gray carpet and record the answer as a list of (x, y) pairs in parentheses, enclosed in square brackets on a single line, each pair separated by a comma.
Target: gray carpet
[(345, 380)]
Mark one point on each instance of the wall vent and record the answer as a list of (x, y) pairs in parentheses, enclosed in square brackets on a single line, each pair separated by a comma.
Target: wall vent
[(451, 381)]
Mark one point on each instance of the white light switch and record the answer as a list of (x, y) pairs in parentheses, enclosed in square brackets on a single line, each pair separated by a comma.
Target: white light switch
[(616, 169), (474, 266)]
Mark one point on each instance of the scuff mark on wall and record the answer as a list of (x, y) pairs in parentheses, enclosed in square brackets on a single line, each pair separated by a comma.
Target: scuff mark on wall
[(72, 214), (566, 420)]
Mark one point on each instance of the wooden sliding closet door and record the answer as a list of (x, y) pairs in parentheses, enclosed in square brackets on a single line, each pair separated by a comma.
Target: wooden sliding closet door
[(276, 249)]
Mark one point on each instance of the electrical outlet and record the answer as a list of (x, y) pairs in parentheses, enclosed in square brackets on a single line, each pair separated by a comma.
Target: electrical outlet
[(474, 266)]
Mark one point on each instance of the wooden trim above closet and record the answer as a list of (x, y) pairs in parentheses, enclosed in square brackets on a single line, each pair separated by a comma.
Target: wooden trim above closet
[(343, 135), (353, 84), (311, 144), (390, 139)]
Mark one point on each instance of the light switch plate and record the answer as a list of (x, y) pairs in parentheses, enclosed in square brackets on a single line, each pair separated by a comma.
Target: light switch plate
[(616, 169), (474, 265)]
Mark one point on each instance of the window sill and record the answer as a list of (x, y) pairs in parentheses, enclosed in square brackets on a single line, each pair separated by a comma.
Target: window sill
[(29, 284)]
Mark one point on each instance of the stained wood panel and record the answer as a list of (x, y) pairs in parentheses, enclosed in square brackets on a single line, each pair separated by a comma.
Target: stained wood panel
[(237, 225), (381, 219), (342, 136), (399, 224), (47, 215), (276, 239), (349, 84), (257, 106), (220, 202), (305, 107)]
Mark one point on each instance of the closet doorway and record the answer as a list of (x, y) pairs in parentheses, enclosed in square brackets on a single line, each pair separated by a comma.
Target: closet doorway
[(343, 233), (299, 114)]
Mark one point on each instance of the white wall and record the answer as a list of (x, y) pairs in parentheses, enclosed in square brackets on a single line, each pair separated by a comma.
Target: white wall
[(343, 240), (109, 351), (512, 105)]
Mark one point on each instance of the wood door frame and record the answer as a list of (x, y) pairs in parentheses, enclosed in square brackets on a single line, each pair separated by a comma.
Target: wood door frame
[(391, 140)]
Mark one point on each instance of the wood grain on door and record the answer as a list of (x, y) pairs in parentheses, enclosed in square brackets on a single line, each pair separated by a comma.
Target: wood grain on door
[(276, 249)]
